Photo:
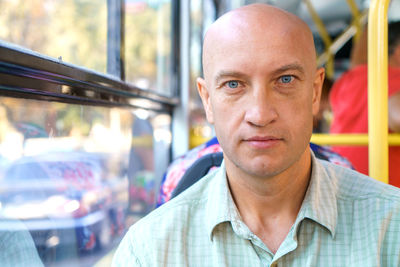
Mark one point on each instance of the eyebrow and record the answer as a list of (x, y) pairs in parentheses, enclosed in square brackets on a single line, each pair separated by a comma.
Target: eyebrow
[(293, 66), (224, 74), (237, 74)]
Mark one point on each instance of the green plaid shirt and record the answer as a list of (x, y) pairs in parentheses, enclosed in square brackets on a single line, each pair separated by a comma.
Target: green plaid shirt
[(346, 219)]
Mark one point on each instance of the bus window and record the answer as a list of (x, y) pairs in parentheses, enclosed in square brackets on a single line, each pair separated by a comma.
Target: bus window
[(148, 45), (71, 31), (75, 176)]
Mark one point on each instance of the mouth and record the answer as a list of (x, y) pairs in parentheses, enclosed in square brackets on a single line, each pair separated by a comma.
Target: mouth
[(262, 142)]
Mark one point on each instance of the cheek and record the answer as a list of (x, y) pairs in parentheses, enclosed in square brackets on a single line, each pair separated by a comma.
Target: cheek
[(223, 115), (227, 118), (298, 113), (222, 106)]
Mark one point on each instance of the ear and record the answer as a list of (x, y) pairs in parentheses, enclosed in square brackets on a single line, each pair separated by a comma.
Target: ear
[(317, 89), (205, 98)]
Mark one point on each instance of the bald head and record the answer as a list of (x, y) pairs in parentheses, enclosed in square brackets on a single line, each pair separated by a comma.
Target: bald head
[(257, 24)]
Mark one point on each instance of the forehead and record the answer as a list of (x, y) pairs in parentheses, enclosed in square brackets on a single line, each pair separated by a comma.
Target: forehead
[(251, 46), (257, 57)]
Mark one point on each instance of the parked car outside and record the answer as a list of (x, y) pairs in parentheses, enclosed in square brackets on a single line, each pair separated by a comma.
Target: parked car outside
[(65, 199)]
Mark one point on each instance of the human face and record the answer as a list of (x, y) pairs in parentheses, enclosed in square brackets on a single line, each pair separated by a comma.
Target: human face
[(260, 92)]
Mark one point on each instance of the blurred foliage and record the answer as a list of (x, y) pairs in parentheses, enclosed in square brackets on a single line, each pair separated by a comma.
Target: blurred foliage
[(73, 117), (148, 45), (75, 30)]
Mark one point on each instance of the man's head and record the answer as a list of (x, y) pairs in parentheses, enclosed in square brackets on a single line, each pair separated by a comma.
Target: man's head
[(261, 88), (394, 43)]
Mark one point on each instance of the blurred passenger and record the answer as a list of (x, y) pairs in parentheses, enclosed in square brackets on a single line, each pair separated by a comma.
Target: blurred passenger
[(350, 104), (141, 168), (272, 202)]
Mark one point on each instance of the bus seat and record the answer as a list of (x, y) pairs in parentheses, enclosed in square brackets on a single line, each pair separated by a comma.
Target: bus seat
[(197, 170)]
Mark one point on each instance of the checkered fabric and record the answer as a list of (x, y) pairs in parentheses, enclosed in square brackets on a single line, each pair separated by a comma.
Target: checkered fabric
[(346, 219)]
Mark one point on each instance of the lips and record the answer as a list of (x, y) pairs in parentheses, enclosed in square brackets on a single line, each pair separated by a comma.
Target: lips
[(262, 142)]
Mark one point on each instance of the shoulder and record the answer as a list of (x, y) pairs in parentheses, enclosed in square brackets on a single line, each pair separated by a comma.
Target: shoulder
[(357, 71), (355, 78), (192, 200), (18, 248), (369, 209), (354, 74), (394, 70), (193, 197), (167, 225), (353, 185), (394, 80)]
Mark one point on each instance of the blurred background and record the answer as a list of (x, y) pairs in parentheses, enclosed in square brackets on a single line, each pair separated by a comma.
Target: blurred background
[(97, 97)]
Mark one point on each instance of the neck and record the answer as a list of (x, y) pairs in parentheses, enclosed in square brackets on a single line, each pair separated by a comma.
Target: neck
[(269, 206)]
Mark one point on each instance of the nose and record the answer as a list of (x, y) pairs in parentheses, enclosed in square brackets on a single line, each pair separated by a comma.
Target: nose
[(261, 109)]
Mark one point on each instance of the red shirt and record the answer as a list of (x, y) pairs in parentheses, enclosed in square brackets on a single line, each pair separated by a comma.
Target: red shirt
[(350, 108)]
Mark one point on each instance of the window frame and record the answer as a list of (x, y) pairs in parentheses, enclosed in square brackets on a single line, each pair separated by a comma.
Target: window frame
[(28, 74)]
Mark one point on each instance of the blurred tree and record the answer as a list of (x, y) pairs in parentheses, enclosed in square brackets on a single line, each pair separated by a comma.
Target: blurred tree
[(148, 44), (75, 30)]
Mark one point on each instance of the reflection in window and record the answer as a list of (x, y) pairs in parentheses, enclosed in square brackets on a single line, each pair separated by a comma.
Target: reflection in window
[(148, 44), (151, 140), (76, 176), (72, 30)]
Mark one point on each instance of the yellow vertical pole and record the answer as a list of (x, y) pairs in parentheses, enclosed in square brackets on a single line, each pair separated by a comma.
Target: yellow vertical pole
[(378, 90)]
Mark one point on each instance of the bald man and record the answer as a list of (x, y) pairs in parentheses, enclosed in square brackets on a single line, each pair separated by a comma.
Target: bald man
[(272, 202)]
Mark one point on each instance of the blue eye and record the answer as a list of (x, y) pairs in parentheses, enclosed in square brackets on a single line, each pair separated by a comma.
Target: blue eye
[(233, 84), (286, 78)]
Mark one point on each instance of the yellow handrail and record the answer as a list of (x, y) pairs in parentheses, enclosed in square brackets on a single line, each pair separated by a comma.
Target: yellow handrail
[(329, 67), (356, 18), (378, 90), (350, 139), (339, 41)]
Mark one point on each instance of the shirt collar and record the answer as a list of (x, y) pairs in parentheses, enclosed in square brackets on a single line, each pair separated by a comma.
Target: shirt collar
[(318, 205), (220, 205), (320, 201)]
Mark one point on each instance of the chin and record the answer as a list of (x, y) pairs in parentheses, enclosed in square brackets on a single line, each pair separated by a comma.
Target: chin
[(264, 170)]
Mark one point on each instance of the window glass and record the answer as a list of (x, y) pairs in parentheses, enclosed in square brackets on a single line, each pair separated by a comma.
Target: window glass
[(148, 44), (73, 178), (74, 31), (151, 140), (202, 14)]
